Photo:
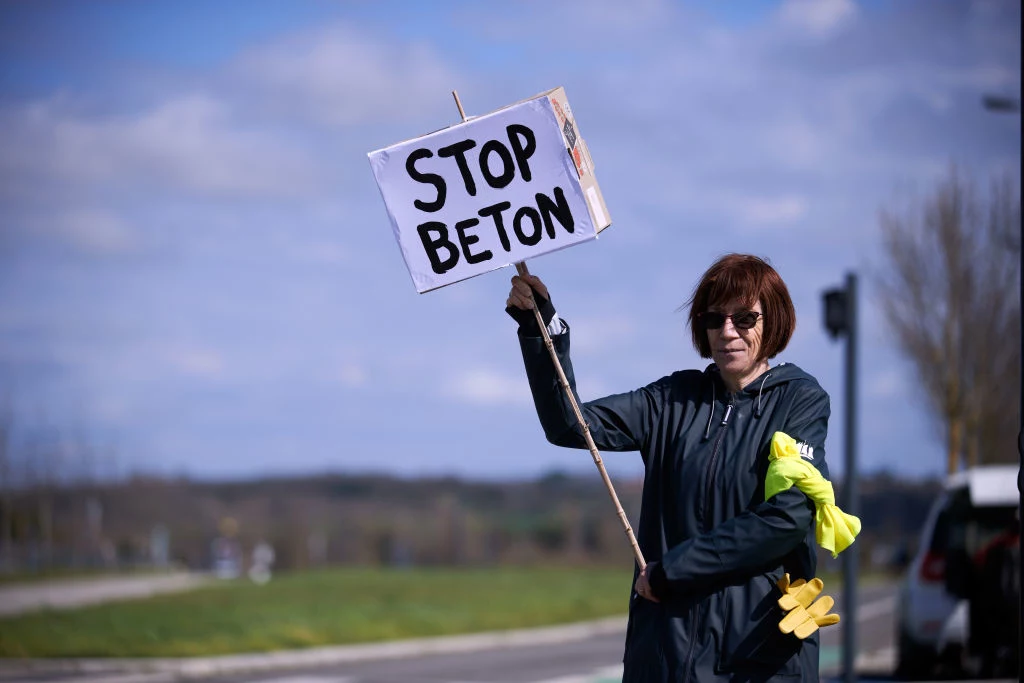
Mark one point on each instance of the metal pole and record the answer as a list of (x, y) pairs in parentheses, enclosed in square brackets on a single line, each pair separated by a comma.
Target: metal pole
[(850, 485), (1020, 467)]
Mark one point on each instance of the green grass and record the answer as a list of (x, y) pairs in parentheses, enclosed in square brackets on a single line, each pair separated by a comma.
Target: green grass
[(320, 608)]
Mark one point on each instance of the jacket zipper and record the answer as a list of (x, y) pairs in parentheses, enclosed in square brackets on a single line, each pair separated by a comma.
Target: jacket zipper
[(707, 503), (714, 460)]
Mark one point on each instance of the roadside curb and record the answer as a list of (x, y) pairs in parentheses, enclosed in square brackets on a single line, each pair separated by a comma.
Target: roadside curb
[(199, 667)]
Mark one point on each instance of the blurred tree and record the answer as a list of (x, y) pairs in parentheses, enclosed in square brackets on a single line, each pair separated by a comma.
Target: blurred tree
[(949, 285), (44, 458)]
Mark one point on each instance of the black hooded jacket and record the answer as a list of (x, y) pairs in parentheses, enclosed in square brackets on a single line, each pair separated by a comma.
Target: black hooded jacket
[(716, 547)]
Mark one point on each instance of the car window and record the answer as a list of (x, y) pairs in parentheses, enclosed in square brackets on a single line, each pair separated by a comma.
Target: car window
[(970, 528), (985, 524)]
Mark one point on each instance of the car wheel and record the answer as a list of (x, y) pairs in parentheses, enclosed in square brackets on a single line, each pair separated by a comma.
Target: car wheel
[(913, 660)]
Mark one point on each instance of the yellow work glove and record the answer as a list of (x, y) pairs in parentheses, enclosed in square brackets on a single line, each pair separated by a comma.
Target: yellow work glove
[(799, 587), (805, 614), (834, 529)]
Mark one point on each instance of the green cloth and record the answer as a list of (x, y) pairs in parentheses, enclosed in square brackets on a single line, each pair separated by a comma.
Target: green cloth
[(834, 529)]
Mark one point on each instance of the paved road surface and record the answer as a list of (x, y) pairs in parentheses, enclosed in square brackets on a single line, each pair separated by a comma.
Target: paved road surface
[(595, 660)]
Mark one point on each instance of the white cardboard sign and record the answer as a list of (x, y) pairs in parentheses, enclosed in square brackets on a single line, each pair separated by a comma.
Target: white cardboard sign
[(483, 194)]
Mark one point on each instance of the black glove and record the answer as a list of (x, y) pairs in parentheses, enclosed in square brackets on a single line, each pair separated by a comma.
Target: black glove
[(527, 320)]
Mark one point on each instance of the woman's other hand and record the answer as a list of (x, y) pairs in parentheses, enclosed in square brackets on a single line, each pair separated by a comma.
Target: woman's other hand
[(643, 586)]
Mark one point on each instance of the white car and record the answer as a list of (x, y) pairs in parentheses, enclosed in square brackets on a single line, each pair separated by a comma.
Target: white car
[(975, 506)]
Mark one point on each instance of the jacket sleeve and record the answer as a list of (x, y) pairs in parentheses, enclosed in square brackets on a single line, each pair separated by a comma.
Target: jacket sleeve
[(764, 534), (620, 422)]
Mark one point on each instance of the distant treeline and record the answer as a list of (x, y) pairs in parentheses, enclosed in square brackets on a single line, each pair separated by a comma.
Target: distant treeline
[(369, 520)]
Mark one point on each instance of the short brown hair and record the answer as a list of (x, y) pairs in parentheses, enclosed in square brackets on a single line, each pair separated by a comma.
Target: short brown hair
[(747, 279)]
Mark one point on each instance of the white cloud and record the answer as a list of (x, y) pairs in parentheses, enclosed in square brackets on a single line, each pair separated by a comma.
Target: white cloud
[(593, 335), (342, 75), (575, 24), (486, 386), (794, 143), (770, 211), (318, 252), (885, 384), (197, 362), (88, 229), (592, 387), (352, 375), (984, 77), (818, 19), (190, 143), (98, 231), (110, 409)]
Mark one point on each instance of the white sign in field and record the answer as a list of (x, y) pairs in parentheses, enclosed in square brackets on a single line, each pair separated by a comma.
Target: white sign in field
[(489, 192)]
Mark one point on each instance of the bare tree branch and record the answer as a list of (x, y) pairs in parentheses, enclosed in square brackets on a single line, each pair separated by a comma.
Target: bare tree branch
[(949, 293)]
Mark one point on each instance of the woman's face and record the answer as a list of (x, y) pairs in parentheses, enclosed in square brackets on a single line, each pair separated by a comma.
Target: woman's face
[(735, 349)]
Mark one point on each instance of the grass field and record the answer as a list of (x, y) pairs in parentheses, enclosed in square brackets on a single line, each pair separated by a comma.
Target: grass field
[(320, 608)]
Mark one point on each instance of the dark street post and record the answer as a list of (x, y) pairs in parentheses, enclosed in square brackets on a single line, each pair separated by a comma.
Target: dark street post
[(841, 319)]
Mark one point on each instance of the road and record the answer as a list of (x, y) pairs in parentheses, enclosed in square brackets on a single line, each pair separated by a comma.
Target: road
[(595, 660)]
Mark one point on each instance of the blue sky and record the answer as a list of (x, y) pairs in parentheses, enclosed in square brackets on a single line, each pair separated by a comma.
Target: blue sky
[(198, 276)]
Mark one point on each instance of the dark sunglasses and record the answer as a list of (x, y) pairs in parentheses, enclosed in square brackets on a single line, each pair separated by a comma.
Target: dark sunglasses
[(712, 320)]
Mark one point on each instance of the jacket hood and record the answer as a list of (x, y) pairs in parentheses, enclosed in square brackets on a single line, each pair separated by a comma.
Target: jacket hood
[(773, 376)]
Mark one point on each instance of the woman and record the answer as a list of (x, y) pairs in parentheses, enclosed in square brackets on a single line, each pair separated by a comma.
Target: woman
[(705, 608)]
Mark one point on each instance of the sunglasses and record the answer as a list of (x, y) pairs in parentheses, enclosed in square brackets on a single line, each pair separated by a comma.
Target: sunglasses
[(712, 320)]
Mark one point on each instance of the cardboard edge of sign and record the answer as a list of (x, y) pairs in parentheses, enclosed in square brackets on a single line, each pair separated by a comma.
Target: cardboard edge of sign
[(579, 155)]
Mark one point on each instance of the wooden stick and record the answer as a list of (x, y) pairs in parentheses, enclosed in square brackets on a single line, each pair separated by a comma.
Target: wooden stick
[(458, 103), (521, 268)]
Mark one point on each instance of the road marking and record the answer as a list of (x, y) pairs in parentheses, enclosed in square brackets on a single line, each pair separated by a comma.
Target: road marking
[(608, 674), (127, 678), (876, 608), (831, 655), (879, 660)]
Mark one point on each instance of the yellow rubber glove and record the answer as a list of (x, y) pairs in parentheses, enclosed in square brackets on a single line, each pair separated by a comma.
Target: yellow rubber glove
[(805, 614), (834, 529), (800, 592)]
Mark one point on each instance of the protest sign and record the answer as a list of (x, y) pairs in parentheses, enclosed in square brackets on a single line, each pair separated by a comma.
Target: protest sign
[(494, 190)]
